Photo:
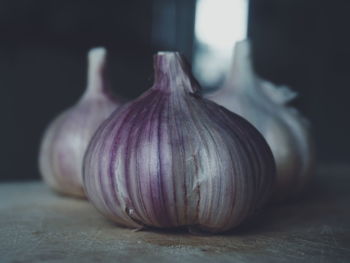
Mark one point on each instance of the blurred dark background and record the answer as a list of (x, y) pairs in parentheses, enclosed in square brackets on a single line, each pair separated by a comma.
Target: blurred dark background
[(43, 45)]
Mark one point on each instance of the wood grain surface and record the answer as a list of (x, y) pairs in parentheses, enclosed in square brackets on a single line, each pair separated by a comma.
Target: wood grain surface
[(37, 225)]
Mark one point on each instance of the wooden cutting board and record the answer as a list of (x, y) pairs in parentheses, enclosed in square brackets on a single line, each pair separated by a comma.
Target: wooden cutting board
[(37, 225)]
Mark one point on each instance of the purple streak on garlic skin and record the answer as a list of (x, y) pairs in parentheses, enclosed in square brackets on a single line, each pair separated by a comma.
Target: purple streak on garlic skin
[(172, 159), (266, 107), (67, 137)]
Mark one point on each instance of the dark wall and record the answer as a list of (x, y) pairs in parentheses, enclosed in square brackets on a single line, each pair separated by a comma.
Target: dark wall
[(306, 44), (43, 44)]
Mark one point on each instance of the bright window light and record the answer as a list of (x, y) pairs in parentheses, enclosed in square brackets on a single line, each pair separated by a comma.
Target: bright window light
[(218, 25)]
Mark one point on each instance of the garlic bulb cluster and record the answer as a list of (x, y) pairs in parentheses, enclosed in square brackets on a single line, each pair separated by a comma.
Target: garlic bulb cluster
[(266, 107), (173, 159), (67, 137)]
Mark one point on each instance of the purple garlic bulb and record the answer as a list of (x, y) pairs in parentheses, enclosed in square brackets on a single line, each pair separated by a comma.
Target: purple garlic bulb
[(67, 137), (173, 159), (267, 107)]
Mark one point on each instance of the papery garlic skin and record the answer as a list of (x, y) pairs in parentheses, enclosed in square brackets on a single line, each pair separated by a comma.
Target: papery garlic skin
[(66, 139), (266, 107), (171, 158)]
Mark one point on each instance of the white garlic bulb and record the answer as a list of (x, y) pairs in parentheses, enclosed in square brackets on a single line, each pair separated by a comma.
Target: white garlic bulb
[(266, 107), (66, 139), (173, 159)]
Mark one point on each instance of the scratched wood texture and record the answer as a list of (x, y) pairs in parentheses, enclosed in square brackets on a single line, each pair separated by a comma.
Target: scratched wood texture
[(37, 225)]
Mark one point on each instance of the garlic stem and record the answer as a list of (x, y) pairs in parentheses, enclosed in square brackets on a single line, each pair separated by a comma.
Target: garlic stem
[(97, 83), (172, 73)]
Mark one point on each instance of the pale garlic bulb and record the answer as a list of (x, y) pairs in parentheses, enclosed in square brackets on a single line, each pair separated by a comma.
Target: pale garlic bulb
[(173, 159), (266, 107), (66, 139)]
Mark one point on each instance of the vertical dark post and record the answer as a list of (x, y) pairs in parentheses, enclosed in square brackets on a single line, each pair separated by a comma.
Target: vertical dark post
[(173, 25)]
